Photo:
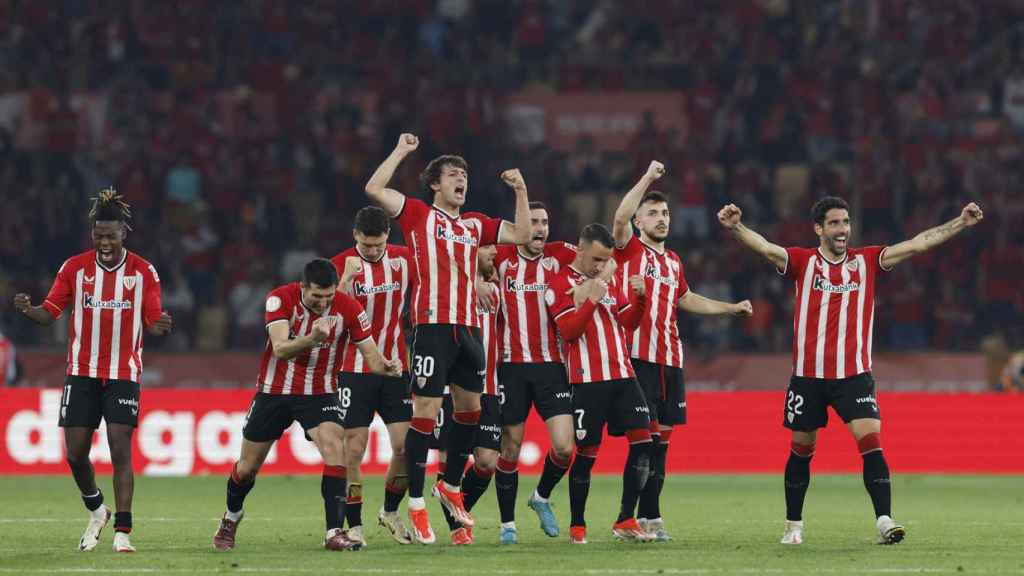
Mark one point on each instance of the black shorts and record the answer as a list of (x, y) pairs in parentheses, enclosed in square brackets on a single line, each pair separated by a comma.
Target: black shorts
[(808, 399), (619, 403), (86, 401), (540, 384), (665, 391), (361, 395), (488, 434), (271, 414), (444, 354)]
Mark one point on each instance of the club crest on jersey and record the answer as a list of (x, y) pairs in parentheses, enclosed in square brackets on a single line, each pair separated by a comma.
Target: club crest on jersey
[(548, 263), (129, 282), (443, 233), (851, 265), (581, 434), (396, 264), (89, 279), (89, 301), (823, 285)]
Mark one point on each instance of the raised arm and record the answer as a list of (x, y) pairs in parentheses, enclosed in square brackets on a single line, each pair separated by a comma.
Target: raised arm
[(388, 199), (519, 231), (37, 314), (696, 304), (622, 227), (287, 348), (729, 216), (969, 216)]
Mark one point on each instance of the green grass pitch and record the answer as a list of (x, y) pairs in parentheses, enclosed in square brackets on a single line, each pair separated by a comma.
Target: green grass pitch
[(721, 525)]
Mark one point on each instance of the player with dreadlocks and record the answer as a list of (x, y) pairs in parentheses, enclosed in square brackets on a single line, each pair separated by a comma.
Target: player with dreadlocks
[(112, 295)]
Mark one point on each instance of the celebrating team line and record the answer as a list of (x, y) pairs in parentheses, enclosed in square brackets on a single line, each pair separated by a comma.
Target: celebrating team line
[(502, 320)]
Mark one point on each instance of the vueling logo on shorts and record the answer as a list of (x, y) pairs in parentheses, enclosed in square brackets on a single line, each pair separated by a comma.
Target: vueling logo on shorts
[(823, 285), (89, 301), (866, 400), (443, 233)]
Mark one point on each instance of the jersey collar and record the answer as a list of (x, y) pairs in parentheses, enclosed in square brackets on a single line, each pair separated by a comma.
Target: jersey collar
[(124, 258), (443, 211), (365, 259), (834, 262), (659, 252)]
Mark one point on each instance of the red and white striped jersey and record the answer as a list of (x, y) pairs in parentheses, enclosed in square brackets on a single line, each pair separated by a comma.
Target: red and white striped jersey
[(109, 308), (601, 352), (835, 311), (657, 339), (526, 332), (380, 289), (314, 371), (444, 253), (488, 313)]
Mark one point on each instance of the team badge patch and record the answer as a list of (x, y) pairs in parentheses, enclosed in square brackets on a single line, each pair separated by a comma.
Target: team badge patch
[(364, 321), (129, 282), (851, 265), (549, 297), (581, 434), (396, 264), (789, 416), (548, 263), (273, 304)]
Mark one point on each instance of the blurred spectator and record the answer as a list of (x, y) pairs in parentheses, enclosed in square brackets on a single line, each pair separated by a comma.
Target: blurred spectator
[(243, 132), (8, 362)]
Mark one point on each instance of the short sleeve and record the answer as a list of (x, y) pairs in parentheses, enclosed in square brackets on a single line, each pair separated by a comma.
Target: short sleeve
[(873, 257), (563, 252), (357, 323), (277, 307), (61, 292), (557, 297), (504, 252), (413, 212), (631, 250), (489, 227), (796, 262), (151, 298), (684, 286)]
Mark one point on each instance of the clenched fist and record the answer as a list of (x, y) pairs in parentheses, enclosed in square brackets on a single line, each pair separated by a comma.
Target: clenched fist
[(972, 214), (729, 216), (637, 284), (655, 170), (744, 308), (514, 178), (407, 143)]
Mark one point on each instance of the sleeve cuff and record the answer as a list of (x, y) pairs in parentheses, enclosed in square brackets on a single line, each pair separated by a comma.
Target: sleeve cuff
[(52, 308), (397, 215), (880, 254)]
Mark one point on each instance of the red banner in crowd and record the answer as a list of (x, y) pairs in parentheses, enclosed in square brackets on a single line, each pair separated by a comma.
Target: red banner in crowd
[(191, 431), (610, 119)]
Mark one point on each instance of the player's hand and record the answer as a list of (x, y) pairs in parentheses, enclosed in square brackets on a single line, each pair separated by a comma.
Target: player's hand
[(655, 170), (407, 143), (393, 367), (610, 266), (972, 214), (484, 296), (22, 302), (322, 329), (353, 266), (744, 308), (162, 325), (579, 293), (514, 179), (637, 284), (730, 216)]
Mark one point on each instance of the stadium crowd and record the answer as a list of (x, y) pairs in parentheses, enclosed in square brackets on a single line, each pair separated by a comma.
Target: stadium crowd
[(242, 135)]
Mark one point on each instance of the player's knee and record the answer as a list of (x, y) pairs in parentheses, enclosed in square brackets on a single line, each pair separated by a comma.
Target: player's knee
[(562, 450), (397, 450), (355, 445), (486, 461), (510, 449), (244, 472)]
